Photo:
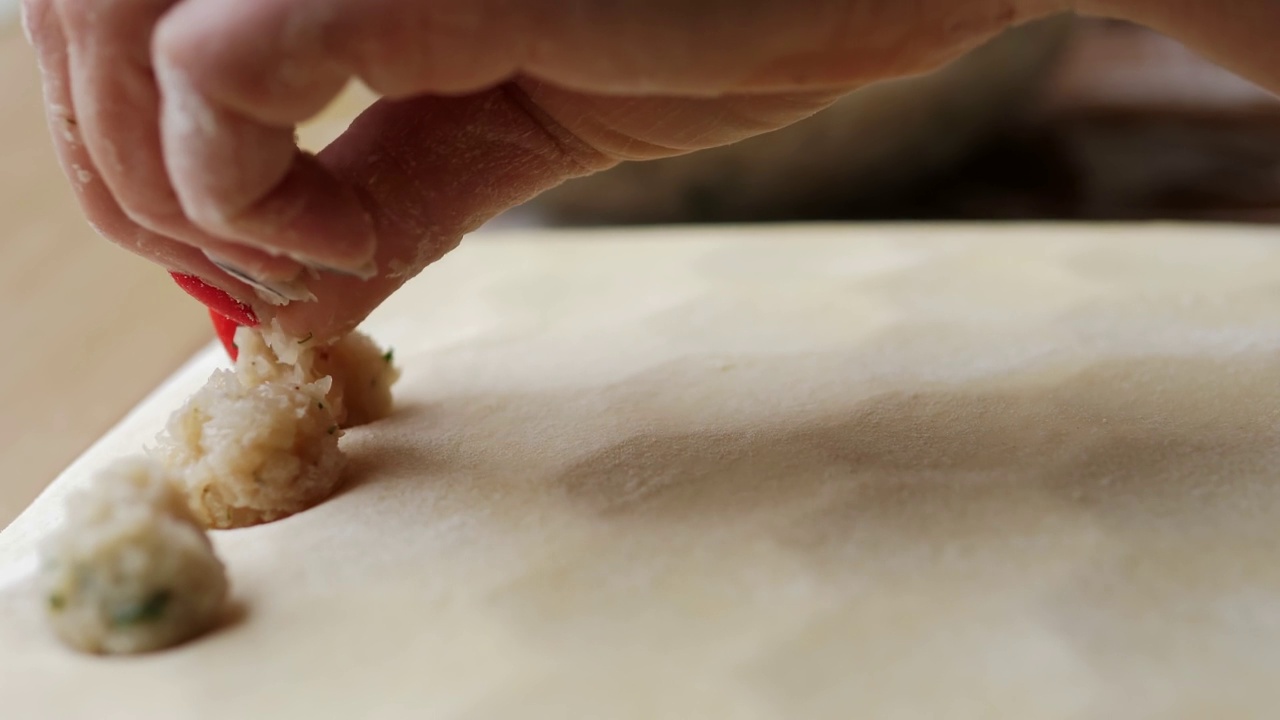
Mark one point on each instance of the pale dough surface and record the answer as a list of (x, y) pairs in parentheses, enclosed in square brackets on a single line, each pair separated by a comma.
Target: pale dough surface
[(862, 472)]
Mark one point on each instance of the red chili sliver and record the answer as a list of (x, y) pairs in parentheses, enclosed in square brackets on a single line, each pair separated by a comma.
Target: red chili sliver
[(226, 312), (216, 300), (225, 327)]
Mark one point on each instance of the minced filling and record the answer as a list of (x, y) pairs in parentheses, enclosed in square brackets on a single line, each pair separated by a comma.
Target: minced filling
[(132, 568)]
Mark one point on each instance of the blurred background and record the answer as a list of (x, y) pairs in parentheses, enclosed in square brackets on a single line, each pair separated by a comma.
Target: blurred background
[(1063, 119), (1060, 120)]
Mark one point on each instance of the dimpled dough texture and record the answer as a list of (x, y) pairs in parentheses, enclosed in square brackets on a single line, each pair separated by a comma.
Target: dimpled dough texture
[(1017, 472)]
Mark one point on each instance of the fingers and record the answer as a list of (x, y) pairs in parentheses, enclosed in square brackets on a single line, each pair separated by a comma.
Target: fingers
[(278, 61), (240, 178), (1240, 35), (432, 169), (44, 27), (236, 75), (186, 131), (650, 127), (107, 46), (111, 84)]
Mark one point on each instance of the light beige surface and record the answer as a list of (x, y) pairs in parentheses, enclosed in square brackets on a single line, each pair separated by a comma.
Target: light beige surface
[(846, 472), (88, 329)]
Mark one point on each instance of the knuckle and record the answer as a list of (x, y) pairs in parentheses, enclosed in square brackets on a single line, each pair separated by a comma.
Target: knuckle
[(580, 156), (173, 44)]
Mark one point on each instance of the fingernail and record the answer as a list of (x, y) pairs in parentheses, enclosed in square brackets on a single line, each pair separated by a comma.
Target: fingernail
[(364, 272), (273, 292)]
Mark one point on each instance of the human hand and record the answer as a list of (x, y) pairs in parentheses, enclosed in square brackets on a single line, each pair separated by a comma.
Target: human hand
[(174, 119)]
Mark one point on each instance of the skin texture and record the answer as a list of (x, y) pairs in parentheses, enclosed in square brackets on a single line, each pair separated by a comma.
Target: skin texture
[(174, 119)]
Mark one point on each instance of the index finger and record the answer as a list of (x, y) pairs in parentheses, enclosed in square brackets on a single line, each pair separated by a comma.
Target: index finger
[(651, 79)]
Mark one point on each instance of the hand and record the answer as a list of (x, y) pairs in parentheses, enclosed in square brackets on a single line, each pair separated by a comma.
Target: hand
[(174, 119)]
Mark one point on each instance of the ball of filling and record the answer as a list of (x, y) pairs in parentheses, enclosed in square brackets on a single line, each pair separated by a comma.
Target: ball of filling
[(251, 450), (130, 570), (362, 372)]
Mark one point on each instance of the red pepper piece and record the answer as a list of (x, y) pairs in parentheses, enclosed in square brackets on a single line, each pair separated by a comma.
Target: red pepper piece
[(216, 300), (225, 328), (226, 312)]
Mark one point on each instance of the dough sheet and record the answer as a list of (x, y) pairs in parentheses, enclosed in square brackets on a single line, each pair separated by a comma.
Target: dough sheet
[(780, 472)]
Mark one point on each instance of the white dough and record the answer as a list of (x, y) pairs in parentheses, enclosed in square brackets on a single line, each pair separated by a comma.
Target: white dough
[(965, 472)]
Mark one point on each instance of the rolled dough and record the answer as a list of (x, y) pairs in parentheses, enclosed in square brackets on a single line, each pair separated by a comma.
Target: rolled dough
[(782, 472)]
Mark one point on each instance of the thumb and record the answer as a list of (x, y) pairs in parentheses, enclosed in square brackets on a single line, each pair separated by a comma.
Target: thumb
[(431, 169)]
